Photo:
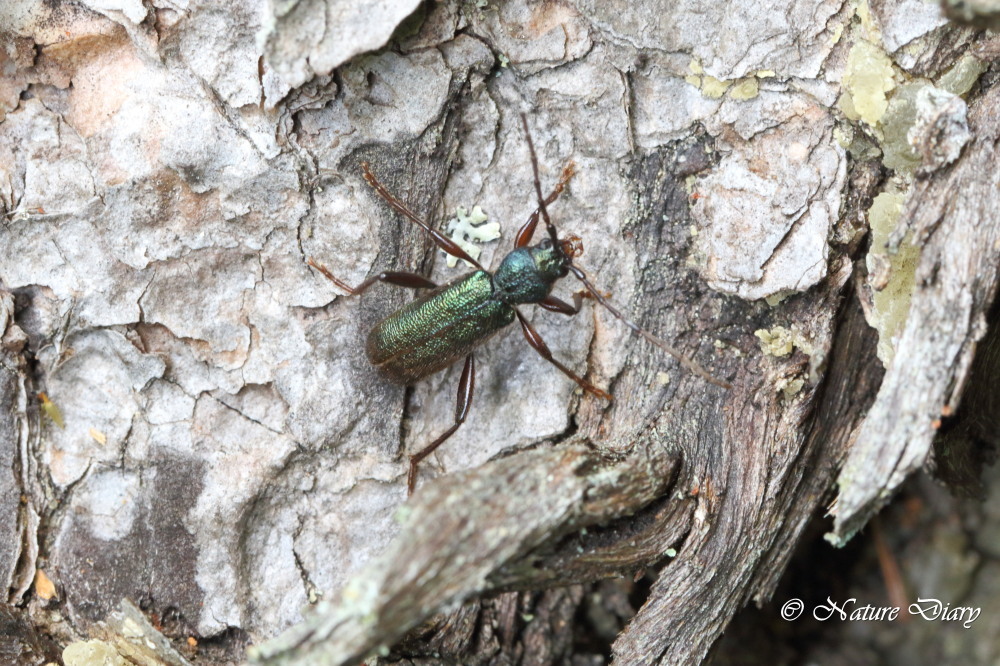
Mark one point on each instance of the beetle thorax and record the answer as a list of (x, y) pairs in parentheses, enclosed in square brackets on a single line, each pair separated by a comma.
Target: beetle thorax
[(527, 274)]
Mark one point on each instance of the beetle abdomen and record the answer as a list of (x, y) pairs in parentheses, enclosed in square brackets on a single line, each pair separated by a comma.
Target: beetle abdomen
[(437, 329)]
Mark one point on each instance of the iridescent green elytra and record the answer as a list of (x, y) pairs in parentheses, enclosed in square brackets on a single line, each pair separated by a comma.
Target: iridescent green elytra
[(447, 323)]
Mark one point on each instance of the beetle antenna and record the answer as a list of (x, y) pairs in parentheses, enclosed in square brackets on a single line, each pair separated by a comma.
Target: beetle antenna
[(538, 184), (681, 358), (582, 276)]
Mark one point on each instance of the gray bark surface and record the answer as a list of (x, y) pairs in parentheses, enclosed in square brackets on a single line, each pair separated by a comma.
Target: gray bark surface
[(225, 469)]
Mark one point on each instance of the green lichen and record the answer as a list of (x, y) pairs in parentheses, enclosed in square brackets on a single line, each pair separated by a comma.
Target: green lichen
[(864, 148), (790, 387), (897, 152), (775, 299), (962, 76), (92, 653), (710, 86), (891, 302), (781, 341)]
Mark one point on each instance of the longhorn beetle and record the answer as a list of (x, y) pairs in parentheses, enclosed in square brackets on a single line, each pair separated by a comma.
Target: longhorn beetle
[(450, 321)]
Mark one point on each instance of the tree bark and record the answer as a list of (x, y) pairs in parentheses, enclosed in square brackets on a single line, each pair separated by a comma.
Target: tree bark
[(195, 446)]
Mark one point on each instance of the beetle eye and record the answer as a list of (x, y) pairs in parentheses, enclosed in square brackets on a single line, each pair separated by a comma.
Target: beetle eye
[(546, 244)]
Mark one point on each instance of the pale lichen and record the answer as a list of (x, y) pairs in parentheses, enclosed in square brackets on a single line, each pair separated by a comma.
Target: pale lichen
[(789, 386), (940, 129), (891, 290), (897, 152), (92, 653), (710, 86), (468, 227)]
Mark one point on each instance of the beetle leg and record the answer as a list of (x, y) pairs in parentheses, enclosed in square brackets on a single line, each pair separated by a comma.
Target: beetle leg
[(466, 387), (554, 304), (525, 233), (398, 278), (535, 340), (442, 241)]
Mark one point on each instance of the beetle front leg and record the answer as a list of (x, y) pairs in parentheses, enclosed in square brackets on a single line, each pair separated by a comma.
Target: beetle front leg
[(535, 340), (527, 230), (553, 304), (398, 278), (466, 387)]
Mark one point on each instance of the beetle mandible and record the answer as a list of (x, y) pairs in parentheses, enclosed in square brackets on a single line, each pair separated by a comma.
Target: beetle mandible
[(450, 321)]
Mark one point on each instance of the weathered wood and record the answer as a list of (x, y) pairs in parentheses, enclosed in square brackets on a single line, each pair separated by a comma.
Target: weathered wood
[(953, 219)]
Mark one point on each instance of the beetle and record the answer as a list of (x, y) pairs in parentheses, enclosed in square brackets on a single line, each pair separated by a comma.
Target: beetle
[(449, 322)]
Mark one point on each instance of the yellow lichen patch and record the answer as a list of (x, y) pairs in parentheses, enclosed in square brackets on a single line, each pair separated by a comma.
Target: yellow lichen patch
[(714, 88), (781, 341), (775, 342), (775, 299), (710, 86), (745, 88), (844, 136), (867, 79), (790, 386), (864, 14), (52, 410), (838, 32), (891, 297)]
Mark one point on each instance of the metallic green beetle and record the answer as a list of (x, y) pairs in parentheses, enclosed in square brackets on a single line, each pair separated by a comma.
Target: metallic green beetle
[(449, 322)]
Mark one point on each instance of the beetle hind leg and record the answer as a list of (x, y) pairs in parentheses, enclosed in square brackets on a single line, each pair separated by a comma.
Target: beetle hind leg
[(466, 388), (398, 278)]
